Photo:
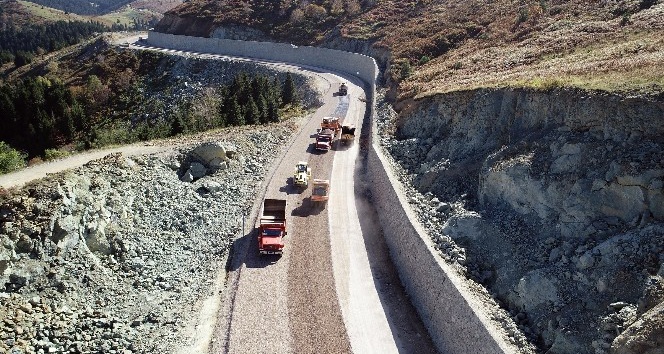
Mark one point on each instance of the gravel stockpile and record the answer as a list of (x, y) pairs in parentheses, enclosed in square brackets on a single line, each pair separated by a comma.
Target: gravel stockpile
[(115, 257)]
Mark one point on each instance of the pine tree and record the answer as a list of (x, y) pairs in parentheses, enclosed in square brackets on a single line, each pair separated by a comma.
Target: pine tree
[(263, 113), (252, 115), (273, 111), (288, 91), (235, 114)]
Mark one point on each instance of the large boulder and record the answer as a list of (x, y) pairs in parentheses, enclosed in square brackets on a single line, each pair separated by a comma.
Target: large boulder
[(66, 231), (197, 170), (210, 153)]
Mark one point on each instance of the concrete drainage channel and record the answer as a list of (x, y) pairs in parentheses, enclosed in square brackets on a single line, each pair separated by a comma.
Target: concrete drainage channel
[(452, 315)]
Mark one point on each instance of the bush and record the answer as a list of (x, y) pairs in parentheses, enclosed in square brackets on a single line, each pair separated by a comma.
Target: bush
[(22, 58), (54, 154), (10, 159), (625, 20), (406, 70), (523, 15)]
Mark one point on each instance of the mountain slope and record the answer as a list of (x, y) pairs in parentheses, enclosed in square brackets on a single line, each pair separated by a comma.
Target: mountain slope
[(446, 45)]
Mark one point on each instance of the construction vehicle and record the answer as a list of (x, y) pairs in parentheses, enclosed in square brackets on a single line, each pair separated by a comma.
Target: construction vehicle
[(343, 89), (320, 191), (272, 227), (347, 134), (331, 123), (302, 174), (324, 139)]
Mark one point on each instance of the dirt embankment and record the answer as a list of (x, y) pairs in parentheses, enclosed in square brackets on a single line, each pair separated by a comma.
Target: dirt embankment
[(552, 200)]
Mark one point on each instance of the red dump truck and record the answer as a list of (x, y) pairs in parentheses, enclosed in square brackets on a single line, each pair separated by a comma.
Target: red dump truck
[(324, 139), (273, 227)]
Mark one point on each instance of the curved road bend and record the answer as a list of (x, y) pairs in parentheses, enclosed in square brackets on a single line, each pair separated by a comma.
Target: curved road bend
[(335, 289)]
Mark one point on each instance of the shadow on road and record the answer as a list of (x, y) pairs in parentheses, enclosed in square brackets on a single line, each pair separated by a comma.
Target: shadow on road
[(290, 187), (244, 250), (312, 150), (308, 208)]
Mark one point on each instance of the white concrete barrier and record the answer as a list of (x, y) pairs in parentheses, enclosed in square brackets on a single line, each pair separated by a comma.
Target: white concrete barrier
[(456, 324)]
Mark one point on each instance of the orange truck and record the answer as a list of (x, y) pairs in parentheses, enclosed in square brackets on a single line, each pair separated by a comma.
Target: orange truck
[(320, 192), (272, 228), (331, 123)]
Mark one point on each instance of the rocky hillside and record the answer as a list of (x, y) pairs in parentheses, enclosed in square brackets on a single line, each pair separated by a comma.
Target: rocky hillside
[(530, 136), (552, 201), (119, 255)]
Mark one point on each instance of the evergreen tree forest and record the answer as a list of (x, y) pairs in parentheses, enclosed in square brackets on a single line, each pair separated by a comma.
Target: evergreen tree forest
[(84, 7), (40, 114), (21, 44)]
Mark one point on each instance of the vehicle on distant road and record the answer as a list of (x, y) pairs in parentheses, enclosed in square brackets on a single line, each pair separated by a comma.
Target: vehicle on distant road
[(343, 89), (331, 123), (347, 134)]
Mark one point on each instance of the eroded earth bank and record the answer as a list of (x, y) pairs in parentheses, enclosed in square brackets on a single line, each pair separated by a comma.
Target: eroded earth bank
[(551, 200)]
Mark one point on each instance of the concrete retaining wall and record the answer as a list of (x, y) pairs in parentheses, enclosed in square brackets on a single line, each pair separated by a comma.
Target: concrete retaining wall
[(358, 65), (454, 322), (453, 318)]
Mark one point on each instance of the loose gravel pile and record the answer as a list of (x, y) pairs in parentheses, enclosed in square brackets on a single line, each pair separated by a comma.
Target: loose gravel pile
[(113, 257)]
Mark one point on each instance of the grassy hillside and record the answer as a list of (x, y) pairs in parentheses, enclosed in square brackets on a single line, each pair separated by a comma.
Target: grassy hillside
[(83, 7), (131, 13), (446, 45)]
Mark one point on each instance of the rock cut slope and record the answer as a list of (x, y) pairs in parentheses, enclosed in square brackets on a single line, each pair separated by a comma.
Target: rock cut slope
[(553, 201)]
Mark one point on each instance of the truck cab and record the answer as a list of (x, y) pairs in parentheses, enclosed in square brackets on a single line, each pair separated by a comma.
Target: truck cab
[(331, 123), (324, 139)]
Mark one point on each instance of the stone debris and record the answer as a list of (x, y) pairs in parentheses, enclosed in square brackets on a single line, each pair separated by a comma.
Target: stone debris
[(114, 257)]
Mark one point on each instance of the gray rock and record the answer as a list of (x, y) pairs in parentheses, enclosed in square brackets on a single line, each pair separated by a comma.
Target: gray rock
[(443, 207), (209, 152), (95, 237), (212, 186), (187, 177), (585, 261), (218, 164), (66, 231), (197, 170)]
